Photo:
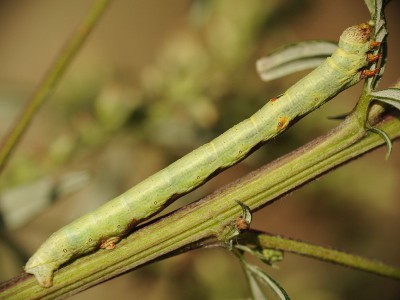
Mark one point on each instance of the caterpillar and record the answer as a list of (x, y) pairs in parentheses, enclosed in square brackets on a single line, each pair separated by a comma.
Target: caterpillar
[(105, 226)]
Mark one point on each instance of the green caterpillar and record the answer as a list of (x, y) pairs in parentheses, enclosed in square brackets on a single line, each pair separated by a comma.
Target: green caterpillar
[(105, 226)]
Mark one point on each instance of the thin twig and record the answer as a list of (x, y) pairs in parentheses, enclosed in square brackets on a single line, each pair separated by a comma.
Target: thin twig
[(268, 241), (50, 80)]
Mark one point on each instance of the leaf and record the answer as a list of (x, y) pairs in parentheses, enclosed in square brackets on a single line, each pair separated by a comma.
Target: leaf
[(293, 58), (390, 96), (375, 7), (253, 273), (385, 137), (246, 212), (380, 34), (17, 207), (268, 281), (371, 6), (255, 288)]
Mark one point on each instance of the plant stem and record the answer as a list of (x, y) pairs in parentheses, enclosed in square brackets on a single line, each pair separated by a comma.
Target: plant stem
[(268, 241), (51, 79), (213, 216)]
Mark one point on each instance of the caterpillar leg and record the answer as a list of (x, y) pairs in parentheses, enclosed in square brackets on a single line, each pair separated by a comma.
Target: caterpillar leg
[(369, 73), (370, 59), (43, 273), (110, 243), (373, 58), (375, 44)]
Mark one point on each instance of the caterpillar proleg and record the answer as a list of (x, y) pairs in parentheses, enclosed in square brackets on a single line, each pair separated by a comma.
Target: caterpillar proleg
[(105, 226)]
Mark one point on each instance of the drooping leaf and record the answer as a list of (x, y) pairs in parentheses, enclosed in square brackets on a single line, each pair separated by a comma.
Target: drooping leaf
[(268, 281), (390, 96), (255, 289), (293, 58), (256, 275), (385, 137)]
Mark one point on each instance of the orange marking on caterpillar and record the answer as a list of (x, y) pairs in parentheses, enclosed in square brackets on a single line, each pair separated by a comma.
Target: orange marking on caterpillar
[(283, 122)]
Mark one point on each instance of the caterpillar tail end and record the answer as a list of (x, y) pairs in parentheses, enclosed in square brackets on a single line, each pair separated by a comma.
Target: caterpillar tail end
[(42, 272)]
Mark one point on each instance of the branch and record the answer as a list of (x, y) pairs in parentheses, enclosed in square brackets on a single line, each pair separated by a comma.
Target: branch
[(214, 216), (267, 241)]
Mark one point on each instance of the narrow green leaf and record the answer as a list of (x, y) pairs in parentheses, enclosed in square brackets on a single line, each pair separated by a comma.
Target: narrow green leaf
[(394, 103), (253, 273), (293, 58), (16, 204), (390, 96), (371, 6), (268, 281), (380, 34), (246, 215), (255, 289), (385, 137)]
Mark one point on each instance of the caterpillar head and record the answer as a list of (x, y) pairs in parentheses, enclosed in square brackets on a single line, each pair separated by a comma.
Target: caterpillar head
[(356, 39)]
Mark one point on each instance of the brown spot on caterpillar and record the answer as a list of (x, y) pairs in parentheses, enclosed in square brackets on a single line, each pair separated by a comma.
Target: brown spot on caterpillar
[(358, 33), (282, 123), (65, 250), (276, 98)]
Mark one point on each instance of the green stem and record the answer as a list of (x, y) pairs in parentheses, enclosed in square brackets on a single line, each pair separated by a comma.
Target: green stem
[(51, 79), (213, 216), (267, 241)]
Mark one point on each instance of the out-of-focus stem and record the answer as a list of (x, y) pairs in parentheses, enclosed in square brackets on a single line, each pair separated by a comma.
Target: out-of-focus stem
[(50, 80)]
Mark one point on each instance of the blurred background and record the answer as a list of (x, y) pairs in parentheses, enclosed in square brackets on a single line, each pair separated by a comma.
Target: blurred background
[(154, 81)]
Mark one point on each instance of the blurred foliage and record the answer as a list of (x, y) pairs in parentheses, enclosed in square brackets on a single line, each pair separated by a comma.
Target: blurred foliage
[(200, 83), (203, 68)]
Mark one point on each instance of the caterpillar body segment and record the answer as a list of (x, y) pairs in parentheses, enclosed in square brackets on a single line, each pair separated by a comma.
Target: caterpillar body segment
[(105, 226)]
